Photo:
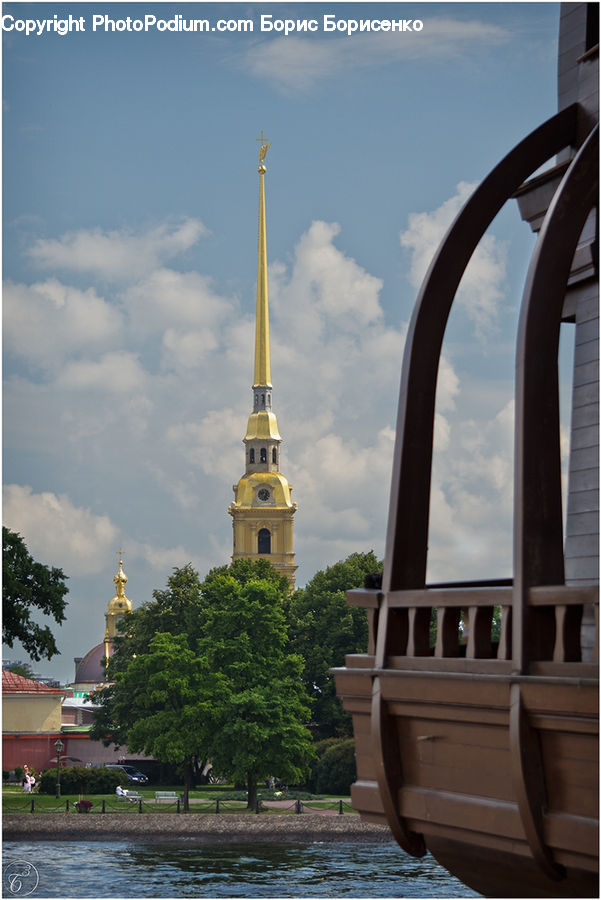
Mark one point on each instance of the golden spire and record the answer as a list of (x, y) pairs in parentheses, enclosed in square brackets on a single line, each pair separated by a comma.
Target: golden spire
[(262, 352), (120, 580), (262, 511), (117, 607)]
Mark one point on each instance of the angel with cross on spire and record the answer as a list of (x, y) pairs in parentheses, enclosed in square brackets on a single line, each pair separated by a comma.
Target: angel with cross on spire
[(265, 145)]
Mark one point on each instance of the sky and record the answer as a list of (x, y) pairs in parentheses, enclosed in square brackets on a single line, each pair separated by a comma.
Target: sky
[(130, 192)]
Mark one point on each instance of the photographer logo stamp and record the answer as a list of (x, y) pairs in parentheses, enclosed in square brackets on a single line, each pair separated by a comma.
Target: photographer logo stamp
[(20, 879)]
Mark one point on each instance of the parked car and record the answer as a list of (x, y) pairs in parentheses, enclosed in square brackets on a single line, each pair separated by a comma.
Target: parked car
[(133, 775)]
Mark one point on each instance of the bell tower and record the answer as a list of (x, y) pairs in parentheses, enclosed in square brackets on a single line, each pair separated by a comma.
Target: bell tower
[(262, 510), (117, 608)]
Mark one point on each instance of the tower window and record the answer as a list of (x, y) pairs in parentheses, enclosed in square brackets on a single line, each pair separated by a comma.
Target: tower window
[(274, 456), (251, 455), (264, 540), (263, 455)]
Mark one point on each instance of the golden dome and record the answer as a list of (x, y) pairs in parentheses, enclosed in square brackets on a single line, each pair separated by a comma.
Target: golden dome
[(120, 603)]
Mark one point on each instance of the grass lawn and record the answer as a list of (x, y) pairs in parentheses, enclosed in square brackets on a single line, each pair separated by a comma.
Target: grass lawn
[(15, 801)]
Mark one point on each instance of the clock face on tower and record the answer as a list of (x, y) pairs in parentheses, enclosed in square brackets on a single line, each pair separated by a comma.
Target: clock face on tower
[(263, 494)]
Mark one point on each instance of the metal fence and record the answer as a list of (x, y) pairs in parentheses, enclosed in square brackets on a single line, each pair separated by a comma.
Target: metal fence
[(35, 804)]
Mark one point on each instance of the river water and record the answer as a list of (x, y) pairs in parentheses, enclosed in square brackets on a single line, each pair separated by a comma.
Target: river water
[(115, 869)]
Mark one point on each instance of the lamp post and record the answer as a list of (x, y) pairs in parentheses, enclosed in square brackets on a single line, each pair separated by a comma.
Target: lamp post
[(59, 747)]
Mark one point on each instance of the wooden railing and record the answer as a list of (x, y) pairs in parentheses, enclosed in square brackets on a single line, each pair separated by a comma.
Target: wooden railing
[(439, 624)]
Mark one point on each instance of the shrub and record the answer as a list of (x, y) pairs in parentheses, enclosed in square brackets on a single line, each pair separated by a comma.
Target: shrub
[(336, 768), (19, 773), (5, 774), (320, 748), (81, 780), (104, 781)]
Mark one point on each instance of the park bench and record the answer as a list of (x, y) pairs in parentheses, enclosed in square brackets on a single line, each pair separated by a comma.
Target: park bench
[(132, 796), (168, 796)]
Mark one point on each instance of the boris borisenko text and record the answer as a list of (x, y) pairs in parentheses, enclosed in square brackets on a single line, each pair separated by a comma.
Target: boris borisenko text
[(328, 24)]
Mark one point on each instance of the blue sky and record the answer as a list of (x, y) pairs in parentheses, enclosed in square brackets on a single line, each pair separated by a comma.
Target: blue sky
[(129, 224)]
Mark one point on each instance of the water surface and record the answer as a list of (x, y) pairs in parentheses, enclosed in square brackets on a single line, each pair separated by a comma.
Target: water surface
[(112, 869)]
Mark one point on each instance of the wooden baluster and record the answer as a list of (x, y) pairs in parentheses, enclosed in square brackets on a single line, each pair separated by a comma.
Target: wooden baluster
[(419, 631), (539, 638), (372, 624), (398, 632), (447, 631), (568, 620), (478, 640)]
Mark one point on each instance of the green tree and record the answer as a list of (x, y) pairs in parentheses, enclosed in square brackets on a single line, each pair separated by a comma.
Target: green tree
[(28, 585), (323, 628), (245, 570), (159, 703), (23, 669), (173, 613), (335, 769), (219, 684), (258, 727)]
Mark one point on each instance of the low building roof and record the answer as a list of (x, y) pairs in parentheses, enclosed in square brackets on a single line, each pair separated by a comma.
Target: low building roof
[(18, 684), (78, 703)]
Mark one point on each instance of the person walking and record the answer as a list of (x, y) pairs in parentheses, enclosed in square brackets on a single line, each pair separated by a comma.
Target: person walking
[(27, 780)]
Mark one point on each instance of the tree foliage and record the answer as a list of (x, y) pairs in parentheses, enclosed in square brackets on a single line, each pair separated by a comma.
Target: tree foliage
[(259, 725), (151, 703), (245, 570), (323, 628), (23, 669), (202, 672), (335, 769), (28, 586)]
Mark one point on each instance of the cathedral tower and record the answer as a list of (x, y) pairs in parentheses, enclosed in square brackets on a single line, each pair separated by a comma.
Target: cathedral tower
[(90, 672), (117, 608), (262, 509)]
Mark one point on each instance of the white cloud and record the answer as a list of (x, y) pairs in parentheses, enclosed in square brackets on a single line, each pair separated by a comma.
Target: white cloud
[(57, 532), (47, 321), (328, 332), (117, 372), (166, 299), (120, 255), (472, 498), (296, 63), (187, 350), (342, 487), (161, 558), (331, 283), (482, 286), (213, 444), (184, 310)]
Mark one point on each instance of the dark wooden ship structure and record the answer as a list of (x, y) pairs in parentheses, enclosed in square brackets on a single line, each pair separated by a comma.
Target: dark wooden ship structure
[(485, 752)]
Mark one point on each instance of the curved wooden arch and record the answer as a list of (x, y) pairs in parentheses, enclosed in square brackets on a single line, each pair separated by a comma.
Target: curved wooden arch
[(538, 533), (537, 527), (408, 518), (407, 534)]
